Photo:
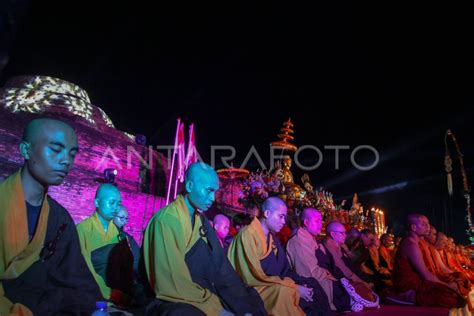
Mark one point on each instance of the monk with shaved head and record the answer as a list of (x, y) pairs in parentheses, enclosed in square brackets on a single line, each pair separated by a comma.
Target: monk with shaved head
[(42, 271), (334, 257), (302, 251), (222, 226), (412, 275), (261, 261), (185, 263), (97, 234)]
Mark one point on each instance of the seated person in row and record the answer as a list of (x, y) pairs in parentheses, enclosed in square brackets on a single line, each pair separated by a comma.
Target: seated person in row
[(302, 248), (98, 236), (333, 257), (436, 266), (185, 264), (261, 261), (387, 251), (120, 220), (411, 275), (222, 226), (373, 264), (42, 271)]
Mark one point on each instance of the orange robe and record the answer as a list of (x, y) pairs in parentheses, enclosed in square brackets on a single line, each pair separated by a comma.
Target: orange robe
[(462, 282), (405, 277)]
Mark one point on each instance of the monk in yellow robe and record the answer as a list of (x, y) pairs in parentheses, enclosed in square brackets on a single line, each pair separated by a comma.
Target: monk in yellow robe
[(184, 260), (98, 231), (261, 261), (302, 249), (42, 271)]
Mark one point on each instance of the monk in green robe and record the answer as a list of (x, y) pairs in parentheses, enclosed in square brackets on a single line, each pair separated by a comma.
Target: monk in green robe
[(98, 233), (42, 271), (185, 263)]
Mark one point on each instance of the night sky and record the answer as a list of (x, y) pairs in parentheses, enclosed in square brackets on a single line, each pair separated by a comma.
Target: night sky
[(348, 73)]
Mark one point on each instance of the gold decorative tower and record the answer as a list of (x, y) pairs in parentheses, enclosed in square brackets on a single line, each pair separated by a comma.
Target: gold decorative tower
[(292, 191)]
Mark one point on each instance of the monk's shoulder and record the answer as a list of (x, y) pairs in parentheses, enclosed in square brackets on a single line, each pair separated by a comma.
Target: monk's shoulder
[(409, 245), (85, 225)]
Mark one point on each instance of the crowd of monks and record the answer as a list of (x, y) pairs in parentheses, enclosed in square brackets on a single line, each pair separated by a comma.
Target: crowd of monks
[(188, 265)]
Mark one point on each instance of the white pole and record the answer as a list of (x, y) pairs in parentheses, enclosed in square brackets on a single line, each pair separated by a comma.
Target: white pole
[(172, 162)]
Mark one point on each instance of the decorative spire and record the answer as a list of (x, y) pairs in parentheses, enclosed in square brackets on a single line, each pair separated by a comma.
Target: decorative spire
[(285, 136)]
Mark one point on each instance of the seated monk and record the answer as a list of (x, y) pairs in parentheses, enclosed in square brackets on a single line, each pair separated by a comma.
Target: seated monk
[(333, 257), (441, 271), (382, 276), (301, 249), (387, 251), (42, 271), (185, 264), (412, 275), (99, 239), (120, 220), (222, 226), (452, 263), (261, 261)]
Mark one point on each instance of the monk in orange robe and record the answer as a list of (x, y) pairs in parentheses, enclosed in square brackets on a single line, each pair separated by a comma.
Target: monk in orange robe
[(411, 272)]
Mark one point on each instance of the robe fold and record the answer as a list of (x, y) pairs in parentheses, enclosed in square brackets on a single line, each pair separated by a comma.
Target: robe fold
[(185, 264), (92, 237), (279, 294), (47, 275)]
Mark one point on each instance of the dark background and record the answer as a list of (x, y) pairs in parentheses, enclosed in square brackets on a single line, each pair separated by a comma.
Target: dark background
[(389, 75)]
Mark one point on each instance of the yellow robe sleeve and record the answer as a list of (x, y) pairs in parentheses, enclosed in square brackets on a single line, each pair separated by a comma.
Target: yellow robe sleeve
[(165, 249)]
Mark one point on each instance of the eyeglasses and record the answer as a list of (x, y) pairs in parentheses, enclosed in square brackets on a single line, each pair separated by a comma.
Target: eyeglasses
[(50, 247)]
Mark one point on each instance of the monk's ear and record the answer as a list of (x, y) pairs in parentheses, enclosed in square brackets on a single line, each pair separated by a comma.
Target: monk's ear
[(266, 214), (96, 202), (189, 186), (25, 150)]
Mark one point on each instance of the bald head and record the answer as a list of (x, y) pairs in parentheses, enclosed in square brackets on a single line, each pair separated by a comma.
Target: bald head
[(34, 129), (121, 219), (312, 220), (108, 201), (105, 189), (418, 224), (273, 216), (198, 170), (201, 184), (336, 231), (49, 147), (334, 226), (441, 241), (414, 218), (308, 213), (272, 204), (221, 225)]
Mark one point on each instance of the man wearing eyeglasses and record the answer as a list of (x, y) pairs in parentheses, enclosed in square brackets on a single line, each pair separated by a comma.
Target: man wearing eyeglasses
[(42, 271)]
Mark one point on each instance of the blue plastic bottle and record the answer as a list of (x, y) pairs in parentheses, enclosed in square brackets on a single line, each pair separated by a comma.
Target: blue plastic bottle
[(101, 309)]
